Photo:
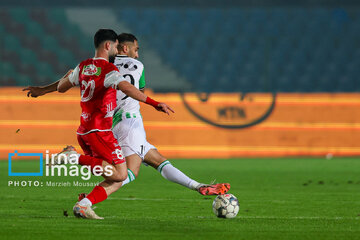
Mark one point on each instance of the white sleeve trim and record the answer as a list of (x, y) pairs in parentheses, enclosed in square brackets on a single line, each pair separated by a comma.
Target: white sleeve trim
[(74, 76), (112, 79)]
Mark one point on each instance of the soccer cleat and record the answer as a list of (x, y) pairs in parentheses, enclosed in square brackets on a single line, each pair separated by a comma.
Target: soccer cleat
[(82, 196), (214, 189), (81, 211), (67, 151)]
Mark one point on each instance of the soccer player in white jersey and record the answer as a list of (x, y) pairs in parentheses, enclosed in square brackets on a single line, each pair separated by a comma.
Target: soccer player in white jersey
[(128, 126)]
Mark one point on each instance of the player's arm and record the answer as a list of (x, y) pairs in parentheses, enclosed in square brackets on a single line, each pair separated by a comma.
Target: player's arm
[(64, 85), (158, 106), (34, 91), (135, 93), (69, 81)]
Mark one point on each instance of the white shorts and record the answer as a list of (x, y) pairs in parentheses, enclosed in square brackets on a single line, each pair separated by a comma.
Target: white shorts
[(131, 136)]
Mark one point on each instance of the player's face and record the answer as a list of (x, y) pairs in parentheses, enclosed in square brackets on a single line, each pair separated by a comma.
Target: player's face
[(113, 48), (133, 50), (113, 51)]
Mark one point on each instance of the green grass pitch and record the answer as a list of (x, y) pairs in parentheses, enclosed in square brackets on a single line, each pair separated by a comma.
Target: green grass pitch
[(299, 198)]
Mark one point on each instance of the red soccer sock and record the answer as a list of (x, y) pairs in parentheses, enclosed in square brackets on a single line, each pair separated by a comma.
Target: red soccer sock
[(90, 161), (97, 195)]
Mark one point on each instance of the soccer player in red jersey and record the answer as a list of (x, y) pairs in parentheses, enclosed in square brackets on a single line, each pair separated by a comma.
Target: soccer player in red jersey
[(99, 80), (136, 149)]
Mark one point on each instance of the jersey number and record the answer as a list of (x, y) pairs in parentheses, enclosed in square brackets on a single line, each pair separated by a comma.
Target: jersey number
[(132, 81), (87, 91)]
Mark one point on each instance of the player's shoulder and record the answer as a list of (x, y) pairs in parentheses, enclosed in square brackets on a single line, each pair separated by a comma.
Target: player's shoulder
[(105, 65), (112, 67), (135, 61), (128, 62), (85, 62), (97, 66)]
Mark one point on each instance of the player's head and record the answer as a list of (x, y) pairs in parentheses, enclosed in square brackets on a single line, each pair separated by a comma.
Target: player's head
[(106, 39), (128, 45)]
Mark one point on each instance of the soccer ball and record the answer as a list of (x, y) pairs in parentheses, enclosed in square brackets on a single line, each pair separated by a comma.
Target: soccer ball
[(226, 206)]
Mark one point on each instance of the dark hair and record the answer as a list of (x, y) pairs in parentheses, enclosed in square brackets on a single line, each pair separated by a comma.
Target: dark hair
[(104, 35), (126, 37)]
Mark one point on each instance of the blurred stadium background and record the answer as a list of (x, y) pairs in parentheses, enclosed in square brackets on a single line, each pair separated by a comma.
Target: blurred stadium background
[(297, 60)]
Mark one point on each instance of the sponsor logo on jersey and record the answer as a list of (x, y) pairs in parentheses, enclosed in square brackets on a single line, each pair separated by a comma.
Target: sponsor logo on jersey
[(128, 65), (90, 70), (85, 116), (231, 111)]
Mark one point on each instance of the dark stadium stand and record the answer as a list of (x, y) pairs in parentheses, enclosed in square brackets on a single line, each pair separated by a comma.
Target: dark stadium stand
[(283, 49), (38, 49), (255, 49)]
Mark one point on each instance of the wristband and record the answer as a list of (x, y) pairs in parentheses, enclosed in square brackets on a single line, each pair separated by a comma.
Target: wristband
[(151, 102)]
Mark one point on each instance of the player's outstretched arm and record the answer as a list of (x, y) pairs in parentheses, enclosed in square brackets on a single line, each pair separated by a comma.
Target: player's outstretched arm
[(64, 84), (34, 91), (135, 93)]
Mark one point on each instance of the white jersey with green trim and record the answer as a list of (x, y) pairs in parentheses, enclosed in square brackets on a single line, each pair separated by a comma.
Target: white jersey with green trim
[(133, 71)]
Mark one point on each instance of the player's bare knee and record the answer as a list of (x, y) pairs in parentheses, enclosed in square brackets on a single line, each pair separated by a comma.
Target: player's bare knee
[(117, 177)]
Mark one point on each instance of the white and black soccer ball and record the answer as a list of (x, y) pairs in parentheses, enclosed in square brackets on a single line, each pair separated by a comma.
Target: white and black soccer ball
[(226, 206)]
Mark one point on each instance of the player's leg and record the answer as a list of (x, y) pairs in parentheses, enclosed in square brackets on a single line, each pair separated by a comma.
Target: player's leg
[(103, 146), (82, 209), (100, 150), (98, 194), (108, 186), (133, 163), (171, 173), (154, 158), (131, 136), (88, 160)]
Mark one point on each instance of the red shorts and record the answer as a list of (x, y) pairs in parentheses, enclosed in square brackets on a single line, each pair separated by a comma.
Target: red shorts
[(102, 145)]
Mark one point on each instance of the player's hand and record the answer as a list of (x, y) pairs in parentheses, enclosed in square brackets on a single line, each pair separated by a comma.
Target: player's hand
[(34, 91), (163, 107)]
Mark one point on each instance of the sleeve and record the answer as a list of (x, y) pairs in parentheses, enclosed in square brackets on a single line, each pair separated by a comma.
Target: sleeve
[(142, 80), (74, 76), (112, 79)]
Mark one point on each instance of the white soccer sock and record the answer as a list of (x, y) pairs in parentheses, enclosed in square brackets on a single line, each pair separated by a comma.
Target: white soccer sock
[(130, 178), (85, 202), (173, 174)]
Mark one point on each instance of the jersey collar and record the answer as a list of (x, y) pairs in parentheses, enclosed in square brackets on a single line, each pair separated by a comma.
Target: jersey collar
[(96, 58)]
